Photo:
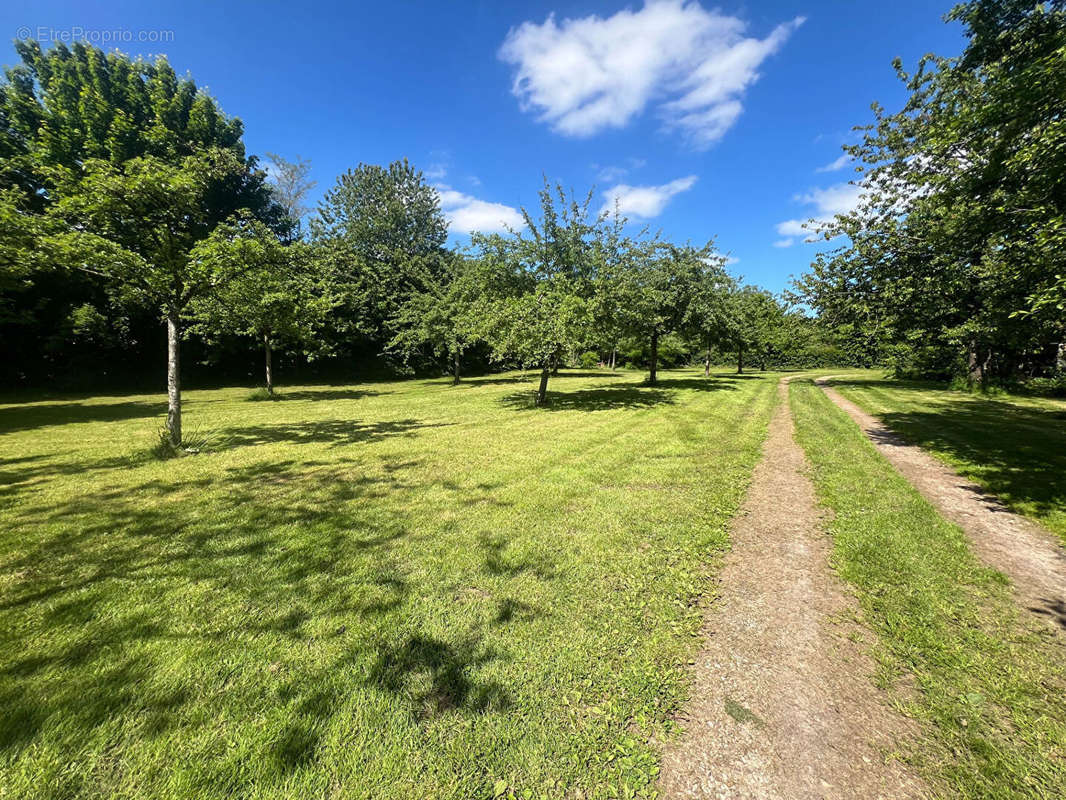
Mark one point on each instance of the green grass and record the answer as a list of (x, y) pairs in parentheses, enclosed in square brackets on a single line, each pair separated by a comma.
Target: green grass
[(1014, 447), (985, 683), (389, 590)]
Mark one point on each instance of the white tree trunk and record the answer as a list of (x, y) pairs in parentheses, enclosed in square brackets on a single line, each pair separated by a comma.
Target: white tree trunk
[(174, 377)]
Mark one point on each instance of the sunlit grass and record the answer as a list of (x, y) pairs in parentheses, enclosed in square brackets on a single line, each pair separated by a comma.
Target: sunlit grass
[(1014, 447), (985, 682), (389, 590)]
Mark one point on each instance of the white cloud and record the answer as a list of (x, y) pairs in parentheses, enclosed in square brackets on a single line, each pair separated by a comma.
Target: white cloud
[(827, 202), (466, 214), (589, 74), (839, 164), (612, 173), (783, 243), (644, 201), (731, 260), (436, 172)]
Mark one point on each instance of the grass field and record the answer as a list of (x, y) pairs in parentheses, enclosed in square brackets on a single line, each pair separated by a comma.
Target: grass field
[(987, 686), (1014, 447), (389, 590)]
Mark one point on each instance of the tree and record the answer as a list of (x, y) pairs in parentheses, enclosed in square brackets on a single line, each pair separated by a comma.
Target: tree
[(437, 322), (120, 168), (290, 185), (660, 287), (263, 288), (755, 322), (381, 232), (535, 303), (963, 223)]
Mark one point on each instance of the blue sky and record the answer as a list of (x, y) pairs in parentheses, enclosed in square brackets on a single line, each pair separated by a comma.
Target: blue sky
[(703, 121)]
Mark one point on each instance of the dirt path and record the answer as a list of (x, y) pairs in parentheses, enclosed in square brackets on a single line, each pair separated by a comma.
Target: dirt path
[(783, 703), (1022, 550)]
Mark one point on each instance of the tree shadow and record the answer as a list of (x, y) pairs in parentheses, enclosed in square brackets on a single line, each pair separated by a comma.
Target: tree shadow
[(698, 384), (42, 415), (1017, 453), (336, 432), (434, 676), (607, 399), (283, 394)]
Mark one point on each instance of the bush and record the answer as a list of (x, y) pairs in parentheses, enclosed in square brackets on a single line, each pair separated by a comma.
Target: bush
[(257, 395), (588, 360)]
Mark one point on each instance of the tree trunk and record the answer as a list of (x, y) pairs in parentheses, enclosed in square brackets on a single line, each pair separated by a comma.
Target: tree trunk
[(269, 354), (542, 391), (740, 360), (614, 352), (174, 377), (555, 365), (707, 364), (975, 367), (455, 369), (654, 355)]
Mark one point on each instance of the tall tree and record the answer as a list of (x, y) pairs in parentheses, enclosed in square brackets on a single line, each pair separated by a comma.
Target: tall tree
[(120, 168), (382, 232), (290, 185), (963, 223)]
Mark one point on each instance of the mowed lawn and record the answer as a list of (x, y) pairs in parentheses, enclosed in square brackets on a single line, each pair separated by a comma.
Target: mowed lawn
[(387, 590), (1014, 447)]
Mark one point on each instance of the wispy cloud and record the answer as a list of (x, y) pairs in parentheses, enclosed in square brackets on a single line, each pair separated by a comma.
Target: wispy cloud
[(834, 166), (826, 203), (436, 172), (589, 74), (644, 201), (466, 214)]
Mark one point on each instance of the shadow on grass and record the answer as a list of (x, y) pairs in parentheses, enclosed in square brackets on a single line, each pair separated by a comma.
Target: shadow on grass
[(219, 573), (592, 399), (1018, 453), (19, 418), (335, 432), (434, 676), (629, 396), (282, 395)]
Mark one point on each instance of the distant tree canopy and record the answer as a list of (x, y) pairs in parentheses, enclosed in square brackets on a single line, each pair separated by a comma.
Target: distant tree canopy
[(953, 262)]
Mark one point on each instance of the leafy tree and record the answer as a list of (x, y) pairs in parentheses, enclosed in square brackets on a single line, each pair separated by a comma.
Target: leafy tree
[(382, 233), (754, 325), (119, 168), (963, 223), (290, 185), (535, 303), (263, 289), (660, 289), (438, 321)]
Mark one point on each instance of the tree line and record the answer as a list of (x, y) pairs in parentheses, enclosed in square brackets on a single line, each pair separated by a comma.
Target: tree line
[(128, 204)]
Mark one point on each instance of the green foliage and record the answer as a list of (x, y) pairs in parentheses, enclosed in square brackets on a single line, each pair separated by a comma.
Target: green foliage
[(261, 288), (957, 246), (381, 233), (535, 304)]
